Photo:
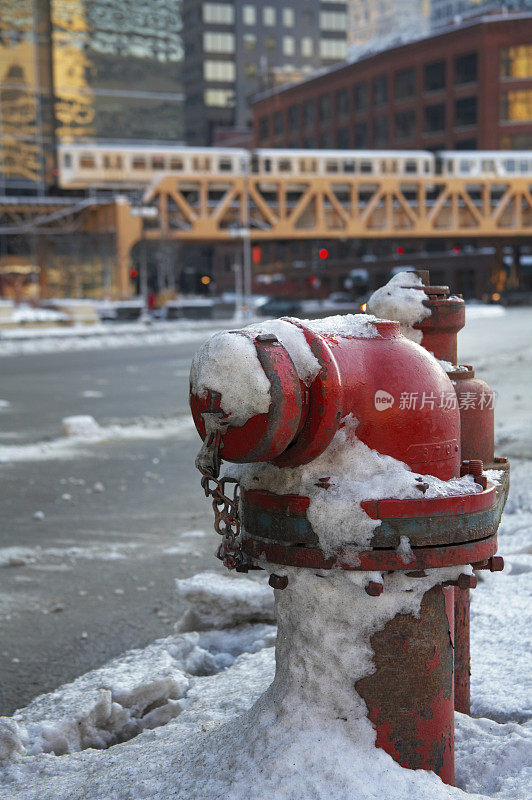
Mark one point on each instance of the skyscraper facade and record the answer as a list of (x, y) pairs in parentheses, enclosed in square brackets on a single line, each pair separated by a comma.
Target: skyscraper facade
[(452, 12), (78, 70), (233, 50)]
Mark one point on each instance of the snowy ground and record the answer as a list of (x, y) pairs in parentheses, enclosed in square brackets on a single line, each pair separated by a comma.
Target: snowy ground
[(161, 722)]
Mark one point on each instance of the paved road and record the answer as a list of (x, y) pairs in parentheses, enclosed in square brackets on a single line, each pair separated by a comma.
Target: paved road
[(100, 567)]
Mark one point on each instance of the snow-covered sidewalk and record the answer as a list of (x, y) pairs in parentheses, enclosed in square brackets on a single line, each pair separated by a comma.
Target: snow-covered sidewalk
[(173, 720)]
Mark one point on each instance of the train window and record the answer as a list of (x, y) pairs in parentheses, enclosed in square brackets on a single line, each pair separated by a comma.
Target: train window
[(331, 166), (267, 165), (488, 165), (157, 162), (86, 161), (523, 166), (118, 162), (509, 165), (176, 163), (348, 166), (411, 167), (427, 167), (67, 160), (138, 162), (465, 167), (225, 165), (285, 165), (366, 167)]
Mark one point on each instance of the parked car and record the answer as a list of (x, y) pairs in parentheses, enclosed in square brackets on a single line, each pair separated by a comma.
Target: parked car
[(278, 307)]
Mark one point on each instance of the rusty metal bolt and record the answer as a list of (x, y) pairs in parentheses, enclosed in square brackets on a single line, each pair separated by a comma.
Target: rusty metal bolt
[(266, 337), (496, 564), (374, 589), (476, 467), (278, 581), (466, 581)]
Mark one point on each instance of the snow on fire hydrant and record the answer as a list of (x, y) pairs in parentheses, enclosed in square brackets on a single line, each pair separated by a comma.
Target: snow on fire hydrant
[(349, 489)]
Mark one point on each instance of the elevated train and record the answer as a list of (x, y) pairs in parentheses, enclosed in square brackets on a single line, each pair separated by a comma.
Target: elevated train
[(129, 167)]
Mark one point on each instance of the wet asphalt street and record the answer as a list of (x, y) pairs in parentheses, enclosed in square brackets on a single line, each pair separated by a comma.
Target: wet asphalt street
[(95, 576)]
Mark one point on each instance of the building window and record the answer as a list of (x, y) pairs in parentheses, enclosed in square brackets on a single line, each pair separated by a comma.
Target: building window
[(278, 123), (289, 45), (308, 114), (249, 15), (466, 144), (361, 96), (325, 108), (289, 17), (218, 13), (465, 68), (333, 49), (380, 131), (219, 70), (268, 15), (405, 124), (293, 119), (270, 43), (250, 42), (404, 85), (517, 106), (516, 62), (361, 134), (326, 141), (307, 46), (333, 21), (342, 139), (342, 102), (264, 128), (434, 76), (218, 42), (220, 98), (465, 111), (522, 141), (435, 118), (250, 71), (380, 90)]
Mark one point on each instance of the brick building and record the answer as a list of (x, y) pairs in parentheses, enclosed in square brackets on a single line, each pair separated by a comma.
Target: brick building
[(464, 89)]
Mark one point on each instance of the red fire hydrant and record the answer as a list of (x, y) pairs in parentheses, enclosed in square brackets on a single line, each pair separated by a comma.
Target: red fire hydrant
[(290, 394)]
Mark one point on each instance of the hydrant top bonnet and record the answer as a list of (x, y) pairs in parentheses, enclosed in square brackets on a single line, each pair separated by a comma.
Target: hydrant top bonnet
[(355, 372)]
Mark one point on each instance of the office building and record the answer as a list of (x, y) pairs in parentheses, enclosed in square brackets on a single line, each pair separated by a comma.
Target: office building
[(465, 88), (233, 50)]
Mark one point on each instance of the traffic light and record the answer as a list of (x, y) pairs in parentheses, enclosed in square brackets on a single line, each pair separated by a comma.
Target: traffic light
[(456, 249), (400, 250), (256, 254), (133, 273), (323, 254)]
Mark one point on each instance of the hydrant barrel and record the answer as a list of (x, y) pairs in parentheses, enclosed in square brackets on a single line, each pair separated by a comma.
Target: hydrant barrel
[(388, 383)]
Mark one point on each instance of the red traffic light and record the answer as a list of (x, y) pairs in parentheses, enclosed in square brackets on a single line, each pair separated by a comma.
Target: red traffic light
[(456, 248), (323, 253), (400, 250), (256, 254), (133, 273)]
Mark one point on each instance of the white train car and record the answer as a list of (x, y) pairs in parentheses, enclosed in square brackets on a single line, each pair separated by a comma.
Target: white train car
[(115, 166), (485, 163), (302, 163)]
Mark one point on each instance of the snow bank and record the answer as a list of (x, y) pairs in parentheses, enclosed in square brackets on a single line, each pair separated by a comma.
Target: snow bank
[(103, 337), (218, 602), (81, 431), (355, 473), (294, 743), (398, 300)]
